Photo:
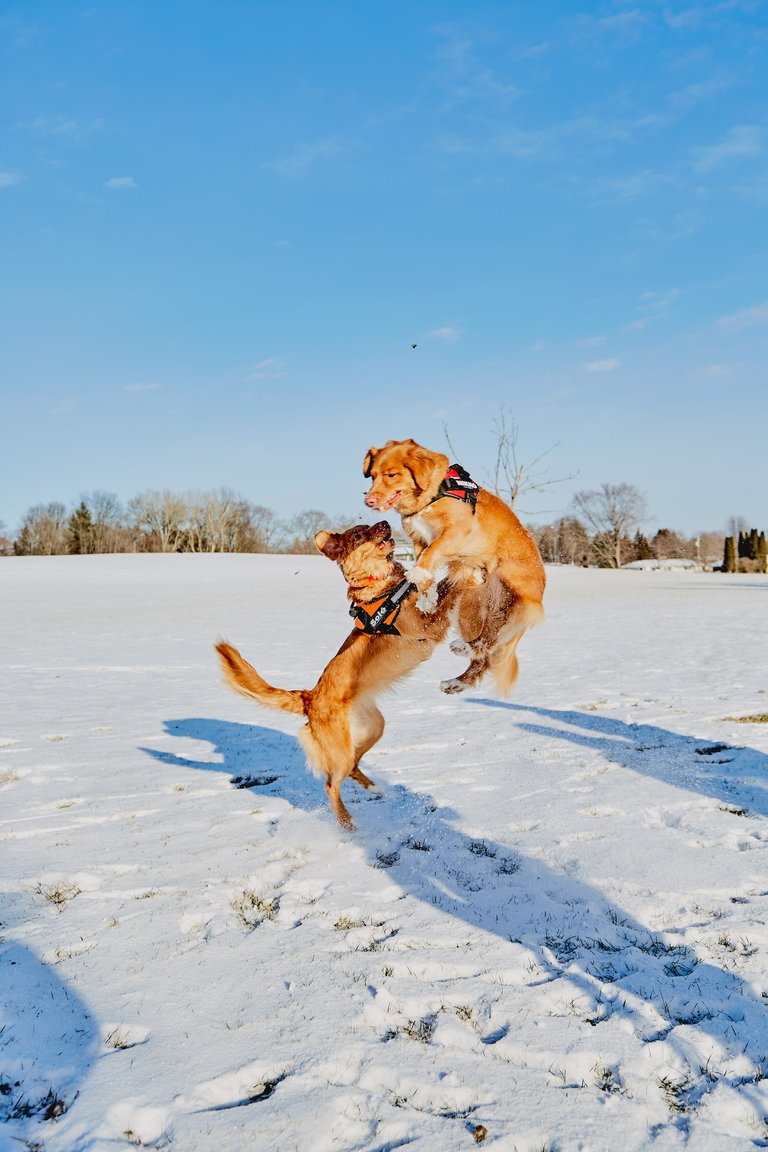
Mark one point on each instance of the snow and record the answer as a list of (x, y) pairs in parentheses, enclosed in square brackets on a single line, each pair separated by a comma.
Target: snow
[(548, 932)]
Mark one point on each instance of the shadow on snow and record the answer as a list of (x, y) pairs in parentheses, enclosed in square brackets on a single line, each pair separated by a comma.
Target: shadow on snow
[(47, 1038), (733, 775), (609, 962)]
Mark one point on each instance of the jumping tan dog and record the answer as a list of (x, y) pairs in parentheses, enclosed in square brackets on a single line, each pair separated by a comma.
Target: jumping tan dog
[(390, 638), (491, 559)]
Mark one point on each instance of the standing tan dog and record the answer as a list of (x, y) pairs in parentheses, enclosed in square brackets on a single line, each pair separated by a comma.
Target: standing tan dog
[(390, 638), (491, 558)]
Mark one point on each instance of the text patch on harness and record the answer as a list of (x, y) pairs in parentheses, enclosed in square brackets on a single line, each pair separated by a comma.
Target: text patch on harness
[(378, 617)]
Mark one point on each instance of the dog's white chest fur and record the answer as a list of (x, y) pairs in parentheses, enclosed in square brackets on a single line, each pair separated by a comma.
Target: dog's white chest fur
[(422, 528)]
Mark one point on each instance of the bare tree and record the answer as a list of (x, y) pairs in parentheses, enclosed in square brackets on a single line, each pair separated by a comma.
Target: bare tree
[(223, 521), (300, 530), (614, 511), (108, 521), (564, 542), (204, 520), (667, 544), (214, 521), (736, 525), (263, 530), (512, 478), (709, 548), (163, 516), (43, 531)]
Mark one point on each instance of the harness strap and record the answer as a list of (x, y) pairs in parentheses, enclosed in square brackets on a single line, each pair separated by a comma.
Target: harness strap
[(459, 485), (378, 617)]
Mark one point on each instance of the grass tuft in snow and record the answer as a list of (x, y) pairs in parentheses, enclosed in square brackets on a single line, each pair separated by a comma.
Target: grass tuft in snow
[(478, 848), (20, 1107), (417, 845), (676, 1093), (252, 909), (420, 1030), (121, 1038), (59, 894), (344, 923), (607, 1079)]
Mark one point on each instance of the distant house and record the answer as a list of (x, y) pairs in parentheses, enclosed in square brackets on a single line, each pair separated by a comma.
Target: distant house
[(669, 565), (404, 552)]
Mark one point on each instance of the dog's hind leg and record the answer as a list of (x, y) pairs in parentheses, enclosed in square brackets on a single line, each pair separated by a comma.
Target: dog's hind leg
[(361, 778), (367, 728), (333, 790), (477, 668), (470, 618), (331, 756), (477, 618)]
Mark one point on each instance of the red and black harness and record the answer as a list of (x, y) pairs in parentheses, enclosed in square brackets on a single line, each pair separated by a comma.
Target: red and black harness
[(377, 618), (459, 485)]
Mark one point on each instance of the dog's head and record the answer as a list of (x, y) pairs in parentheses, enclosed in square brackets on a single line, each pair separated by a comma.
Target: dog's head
[(363, 553), (403, 475)]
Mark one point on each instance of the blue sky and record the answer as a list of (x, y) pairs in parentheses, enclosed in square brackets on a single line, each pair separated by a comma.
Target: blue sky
[(224, 224)]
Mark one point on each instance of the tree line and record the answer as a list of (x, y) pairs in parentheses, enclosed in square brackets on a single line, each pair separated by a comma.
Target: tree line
[(602, 529), (163, 521)]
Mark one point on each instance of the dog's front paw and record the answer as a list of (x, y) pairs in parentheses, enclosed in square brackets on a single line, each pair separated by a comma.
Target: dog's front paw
[(427, 600), (461, 648), (452, 687), (419, 576)]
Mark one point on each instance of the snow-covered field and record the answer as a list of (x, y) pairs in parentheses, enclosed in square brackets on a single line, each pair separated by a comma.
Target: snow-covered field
[(548, 933)]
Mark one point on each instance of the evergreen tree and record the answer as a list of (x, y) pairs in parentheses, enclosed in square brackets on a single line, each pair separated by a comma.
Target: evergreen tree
[(762, 552), (80, 531), (729, 555), (22, 545), (754, 544), (643, 550)]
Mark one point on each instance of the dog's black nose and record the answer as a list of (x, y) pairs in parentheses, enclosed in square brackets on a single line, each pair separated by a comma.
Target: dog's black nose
[(382, 526)]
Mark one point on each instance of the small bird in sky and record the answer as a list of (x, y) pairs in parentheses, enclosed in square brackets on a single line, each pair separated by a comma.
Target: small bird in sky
[(413, 345)]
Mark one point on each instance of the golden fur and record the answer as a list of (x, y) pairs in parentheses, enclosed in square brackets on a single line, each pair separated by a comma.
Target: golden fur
[(343, 721), (490, 557)]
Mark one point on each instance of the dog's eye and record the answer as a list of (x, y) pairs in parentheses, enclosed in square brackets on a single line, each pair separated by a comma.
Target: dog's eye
[(391, 475)]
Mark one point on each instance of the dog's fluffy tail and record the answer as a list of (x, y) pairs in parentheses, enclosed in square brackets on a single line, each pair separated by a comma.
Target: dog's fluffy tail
[(504, 665), (243, 678)]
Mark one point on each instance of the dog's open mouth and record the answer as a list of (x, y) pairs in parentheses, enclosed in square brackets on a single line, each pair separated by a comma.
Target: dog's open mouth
[(385, 543)]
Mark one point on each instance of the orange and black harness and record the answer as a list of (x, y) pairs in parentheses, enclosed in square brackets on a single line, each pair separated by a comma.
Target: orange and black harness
[(378, 617), (459, 485)]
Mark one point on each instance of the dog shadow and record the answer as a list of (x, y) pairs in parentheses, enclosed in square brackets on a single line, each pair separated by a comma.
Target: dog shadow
[(610, 963), (735, 776), (48, 1040)]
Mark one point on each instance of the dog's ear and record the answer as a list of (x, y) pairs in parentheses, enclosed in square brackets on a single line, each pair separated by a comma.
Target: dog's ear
[(368, 462), (328, 544), (426, 467)]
